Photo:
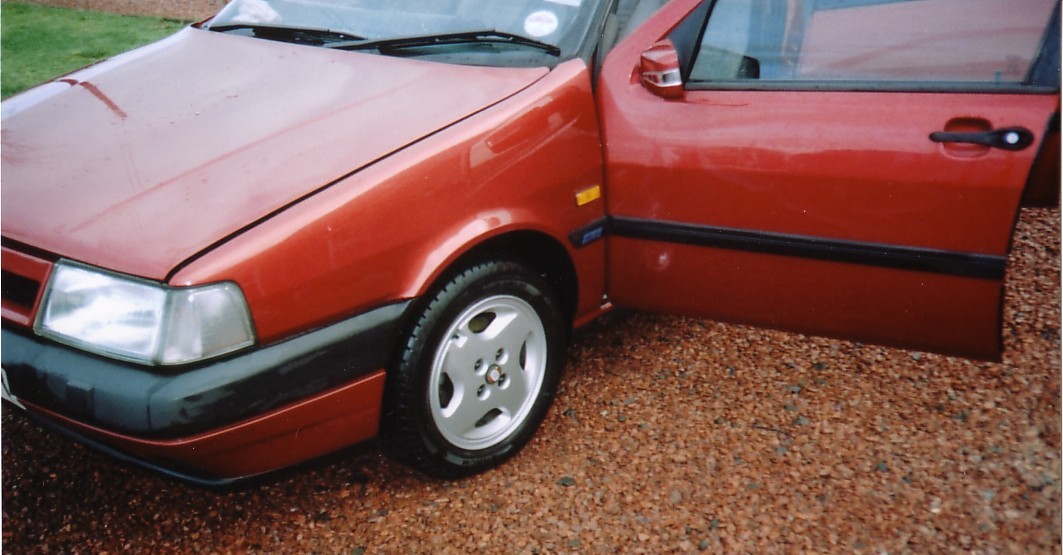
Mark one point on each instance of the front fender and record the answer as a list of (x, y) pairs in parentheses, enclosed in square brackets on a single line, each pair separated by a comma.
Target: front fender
[(386, 233)]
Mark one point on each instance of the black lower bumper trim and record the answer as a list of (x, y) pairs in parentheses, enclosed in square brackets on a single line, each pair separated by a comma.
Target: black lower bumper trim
[(153, 403)]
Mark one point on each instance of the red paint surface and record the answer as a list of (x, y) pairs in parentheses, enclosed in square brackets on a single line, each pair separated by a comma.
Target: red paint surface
[(388, 231), (855, 166), (298, 432), (164, 151), (326, 183)]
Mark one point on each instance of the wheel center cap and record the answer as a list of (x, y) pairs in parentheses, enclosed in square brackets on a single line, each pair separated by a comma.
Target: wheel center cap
[(494, 373)]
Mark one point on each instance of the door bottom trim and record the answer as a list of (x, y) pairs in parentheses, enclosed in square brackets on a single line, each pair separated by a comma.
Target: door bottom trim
[(973, 265)]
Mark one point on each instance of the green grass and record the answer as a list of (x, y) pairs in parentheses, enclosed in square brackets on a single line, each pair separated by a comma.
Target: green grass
[(39, 43)]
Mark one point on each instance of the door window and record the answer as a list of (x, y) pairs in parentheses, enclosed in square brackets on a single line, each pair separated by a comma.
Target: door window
[(981, 42)]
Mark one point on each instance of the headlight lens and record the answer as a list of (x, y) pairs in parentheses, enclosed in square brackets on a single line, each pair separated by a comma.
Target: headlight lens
[(141, 321)]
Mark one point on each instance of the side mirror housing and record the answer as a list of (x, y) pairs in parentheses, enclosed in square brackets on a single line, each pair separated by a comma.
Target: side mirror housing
[(659, 71)]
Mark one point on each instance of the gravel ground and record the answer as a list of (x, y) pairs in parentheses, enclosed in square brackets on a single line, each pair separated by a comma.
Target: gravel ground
[(668, 435)]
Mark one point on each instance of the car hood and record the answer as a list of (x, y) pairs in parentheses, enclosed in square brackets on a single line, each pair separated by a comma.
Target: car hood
[(142, 161)]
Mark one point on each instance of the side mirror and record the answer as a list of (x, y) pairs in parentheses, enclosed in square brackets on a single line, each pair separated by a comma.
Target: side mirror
[(659, 70)]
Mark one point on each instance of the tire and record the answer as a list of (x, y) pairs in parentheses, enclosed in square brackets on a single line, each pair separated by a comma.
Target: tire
[(477, 372)]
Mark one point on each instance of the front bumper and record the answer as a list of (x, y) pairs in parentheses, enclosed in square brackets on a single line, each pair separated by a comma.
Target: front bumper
[(236, 417)]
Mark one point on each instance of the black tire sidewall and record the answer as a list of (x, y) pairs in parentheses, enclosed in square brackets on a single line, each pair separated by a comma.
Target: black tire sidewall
[(426, 448)]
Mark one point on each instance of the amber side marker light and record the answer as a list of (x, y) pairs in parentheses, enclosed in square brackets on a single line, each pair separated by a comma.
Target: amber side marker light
[(588, 195)]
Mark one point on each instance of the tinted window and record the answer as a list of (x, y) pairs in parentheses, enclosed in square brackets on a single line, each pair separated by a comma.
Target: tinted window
[(965, 41)]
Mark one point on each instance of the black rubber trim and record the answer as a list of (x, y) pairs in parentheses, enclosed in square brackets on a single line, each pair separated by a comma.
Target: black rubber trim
[(587, 234), (974, 265), (933, 87), (1007, 138), (143, 401)]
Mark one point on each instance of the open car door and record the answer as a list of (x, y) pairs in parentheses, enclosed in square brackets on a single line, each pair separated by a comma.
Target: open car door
[(848, 168)]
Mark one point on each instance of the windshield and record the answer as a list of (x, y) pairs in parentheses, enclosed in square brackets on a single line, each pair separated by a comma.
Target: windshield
[(479, 32)]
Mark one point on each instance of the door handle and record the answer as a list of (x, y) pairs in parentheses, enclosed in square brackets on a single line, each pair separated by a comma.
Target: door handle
[(1007, 138)]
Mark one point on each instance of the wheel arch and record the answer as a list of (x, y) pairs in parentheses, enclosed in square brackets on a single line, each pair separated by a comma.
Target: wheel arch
[(537, 250)]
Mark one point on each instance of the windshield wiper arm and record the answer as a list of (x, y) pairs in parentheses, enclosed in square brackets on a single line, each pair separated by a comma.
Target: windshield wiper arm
[(488, 35), (292, 34)]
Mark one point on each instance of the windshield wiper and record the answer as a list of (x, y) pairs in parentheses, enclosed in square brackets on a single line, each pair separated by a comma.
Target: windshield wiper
[(303, 35), (488, 36)]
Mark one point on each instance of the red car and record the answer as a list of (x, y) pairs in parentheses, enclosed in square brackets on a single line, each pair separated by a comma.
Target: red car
[(298, 224)]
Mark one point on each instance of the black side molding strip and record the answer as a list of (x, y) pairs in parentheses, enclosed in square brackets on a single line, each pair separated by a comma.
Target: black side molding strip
[(974, 265), (587, 234)]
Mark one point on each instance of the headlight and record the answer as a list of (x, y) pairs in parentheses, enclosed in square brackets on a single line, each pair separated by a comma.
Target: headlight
[(142, 321)]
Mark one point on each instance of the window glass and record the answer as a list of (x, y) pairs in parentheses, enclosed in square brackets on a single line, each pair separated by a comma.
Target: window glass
[(561, 23), (973, 41)]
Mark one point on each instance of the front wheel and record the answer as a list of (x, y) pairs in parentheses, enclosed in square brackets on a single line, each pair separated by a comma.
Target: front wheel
[(477, 373)]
